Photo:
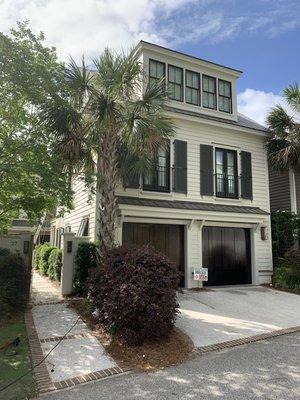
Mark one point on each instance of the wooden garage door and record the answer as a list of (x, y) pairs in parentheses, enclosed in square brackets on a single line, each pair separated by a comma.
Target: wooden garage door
[(168, 239), (227, 254)]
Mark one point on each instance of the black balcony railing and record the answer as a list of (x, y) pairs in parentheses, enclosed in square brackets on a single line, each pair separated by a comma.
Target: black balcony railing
[(226, 185), (157, 180)]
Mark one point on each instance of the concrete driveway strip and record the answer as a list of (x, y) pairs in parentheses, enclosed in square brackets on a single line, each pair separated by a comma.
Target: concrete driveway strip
[(263, 370), (224, 314)]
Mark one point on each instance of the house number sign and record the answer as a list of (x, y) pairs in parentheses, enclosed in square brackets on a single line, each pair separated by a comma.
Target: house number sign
[(201, 274)]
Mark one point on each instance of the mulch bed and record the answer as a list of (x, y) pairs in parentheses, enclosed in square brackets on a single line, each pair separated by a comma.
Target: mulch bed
[(151, 356)]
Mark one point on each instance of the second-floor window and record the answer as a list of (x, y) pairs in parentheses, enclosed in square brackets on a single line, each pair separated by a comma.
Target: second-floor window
[(209, 97), (192, 88), (156, 71), (175, 78), (224, 96), (226, 173), (158, 178)]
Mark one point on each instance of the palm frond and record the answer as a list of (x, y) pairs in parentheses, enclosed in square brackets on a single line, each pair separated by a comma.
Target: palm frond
[(292, 95), (280, 121)]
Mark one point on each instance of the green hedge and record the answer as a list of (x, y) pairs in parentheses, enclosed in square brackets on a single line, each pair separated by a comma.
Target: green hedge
[(36, 255), (14, 283), (55, 264), (287, 271), (44, 258), (85, 259)]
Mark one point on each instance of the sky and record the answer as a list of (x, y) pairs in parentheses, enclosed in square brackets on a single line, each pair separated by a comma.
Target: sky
[(259, 37)]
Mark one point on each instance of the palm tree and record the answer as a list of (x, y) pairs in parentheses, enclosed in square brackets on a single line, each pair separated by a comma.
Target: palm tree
[(108, 123), (283, 143)]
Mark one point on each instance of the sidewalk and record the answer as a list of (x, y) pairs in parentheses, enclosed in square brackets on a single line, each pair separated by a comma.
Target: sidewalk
[(76, 355)]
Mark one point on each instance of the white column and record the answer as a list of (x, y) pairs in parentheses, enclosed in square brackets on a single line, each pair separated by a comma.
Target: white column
[(293, 191)]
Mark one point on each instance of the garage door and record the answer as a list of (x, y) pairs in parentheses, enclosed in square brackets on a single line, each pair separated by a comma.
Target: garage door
[(227, 254), (168, 239)]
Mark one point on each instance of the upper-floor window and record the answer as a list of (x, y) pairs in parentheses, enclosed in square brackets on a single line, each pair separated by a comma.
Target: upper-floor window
[(157, 71), (175, 78), (226, 173), (158, 178), (192, 88), (209, 96), (83, 229), (225, 96)]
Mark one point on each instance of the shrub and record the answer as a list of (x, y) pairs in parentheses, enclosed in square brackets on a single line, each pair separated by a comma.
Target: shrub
[(85, 259), (134, 292), (55, 264), (285, 231), (44, 253), (36, 255), (14, 283), (287, 271)]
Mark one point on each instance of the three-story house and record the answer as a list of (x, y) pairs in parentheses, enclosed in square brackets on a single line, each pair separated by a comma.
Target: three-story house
[(206, 200)]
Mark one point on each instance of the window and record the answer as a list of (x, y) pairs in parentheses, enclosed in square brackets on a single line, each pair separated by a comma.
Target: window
[(225, 103), (156, 71), (59, 233), (209, 92), (226, 173), (83, 227), (68, 228), (192, 88), (175, 77), (158, 178)]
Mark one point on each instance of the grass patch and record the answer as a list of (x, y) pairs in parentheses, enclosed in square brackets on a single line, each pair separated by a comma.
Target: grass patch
[(14, 361), (151, 356)]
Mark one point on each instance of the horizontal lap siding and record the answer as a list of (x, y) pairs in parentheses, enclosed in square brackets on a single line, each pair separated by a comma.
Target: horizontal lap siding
[(81, 209), (280, 190)]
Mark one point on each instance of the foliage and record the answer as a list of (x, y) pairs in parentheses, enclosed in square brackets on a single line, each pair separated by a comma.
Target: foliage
[(45, 252), (285, 231), (14, 283), (30, 165), (134, 292), (107, 129), (15, 362), (287, 271), (283, 144), (85, 259), (55, 264), (36, 255)]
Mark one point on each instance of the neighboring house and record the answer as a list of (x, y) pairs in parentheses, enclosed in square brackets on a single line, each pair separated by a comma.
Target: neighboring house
[(284, 190), (206, 202), (21, 225)]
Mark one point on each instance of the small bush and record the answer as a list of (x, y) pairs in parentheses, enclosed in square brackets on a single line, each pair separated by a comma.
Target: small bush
[(85, 259), (134, 292), (44, 253), (287, 271), (14, 283), (55, 264), (36, 255), (285, 231)]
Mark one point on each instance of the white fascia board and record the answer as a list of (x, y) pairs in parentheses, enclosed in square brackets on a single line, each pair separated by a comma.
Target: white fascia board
[(167, 213)]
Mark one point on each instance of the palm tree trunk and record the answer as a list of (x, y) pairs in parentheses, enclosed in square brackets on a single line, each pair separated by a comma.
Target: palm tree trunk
[(107, 180)]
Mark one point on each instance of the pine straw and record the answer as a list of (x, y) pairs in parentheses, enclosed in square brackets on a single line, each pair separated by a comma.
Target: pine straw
[(152, 356)]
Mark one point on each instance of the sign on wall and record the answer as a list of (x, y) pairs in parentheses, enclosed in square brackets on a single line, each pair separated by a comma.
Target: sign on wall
[(201, 274)]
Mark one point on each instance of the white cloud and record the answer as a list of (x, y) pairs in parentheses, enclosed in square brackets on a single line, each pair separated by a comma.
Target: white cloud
[(256, 104), (76, 26)]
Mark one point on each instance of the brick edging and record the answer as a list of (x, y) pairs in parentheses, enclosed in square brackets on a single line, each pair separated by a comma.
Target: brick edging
[(41, 374), (246, 340), (90, 377)]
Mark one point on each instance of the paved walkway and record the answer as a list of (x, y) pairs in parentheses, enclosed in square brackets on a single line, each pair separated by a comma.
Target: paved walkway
[(76, 355)]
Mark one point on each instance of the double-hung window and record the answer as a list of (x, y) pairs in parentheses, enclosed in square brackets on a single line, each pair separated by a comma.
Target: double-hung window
[(225, 102), (226, 173), (158, 177), (157, 71), (192, 88), (209, 96), (175, 79)]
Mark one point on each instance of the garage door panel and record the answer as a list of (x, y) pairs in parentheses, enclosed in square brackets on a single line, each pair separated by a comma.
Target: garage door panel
[(226, 254)]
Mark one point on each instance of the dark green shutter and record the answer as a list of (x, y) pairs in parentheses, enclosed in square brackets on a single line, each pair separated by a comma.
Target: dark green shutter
[(206, 170), (246, 176), (180, 166)]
